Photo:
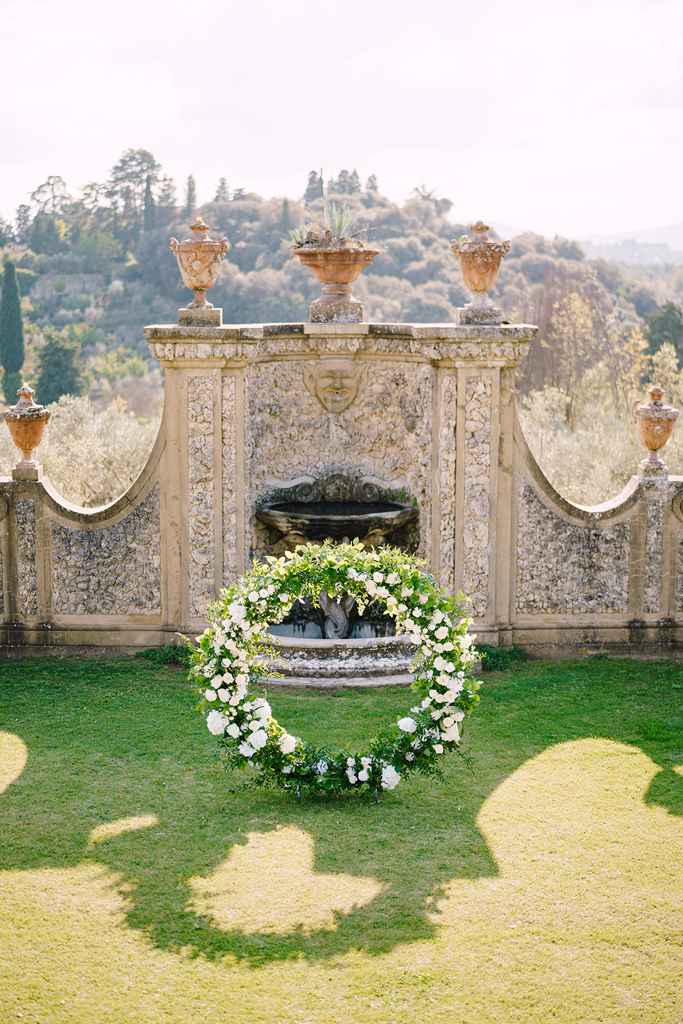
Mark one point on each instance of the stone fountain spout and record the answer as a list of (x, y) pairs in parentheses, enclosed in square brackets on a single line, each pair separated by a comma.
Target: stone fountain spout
[(336, 615)]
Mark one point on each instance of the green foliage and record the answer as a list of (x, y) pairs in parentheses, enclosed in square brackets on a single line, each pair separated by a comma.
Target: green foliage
[(501, 659), (665, 326), (59, 370), (149, 212), (169, 654), (11, 332)]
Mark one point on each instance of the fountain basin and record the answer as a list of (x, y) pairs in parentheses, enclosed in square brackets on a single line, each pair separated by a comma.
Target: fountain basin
[(334, 520), (374, 661)]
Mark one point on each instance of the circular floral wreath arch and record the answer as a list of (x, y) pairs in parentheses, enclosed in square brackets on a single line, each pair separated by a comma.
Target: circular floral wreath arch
[(230, 655)]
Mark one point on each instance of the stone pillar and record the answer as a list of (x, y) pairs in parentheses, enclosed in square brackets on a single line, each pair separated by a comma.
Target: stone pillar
[(473, 533), (202, 466)]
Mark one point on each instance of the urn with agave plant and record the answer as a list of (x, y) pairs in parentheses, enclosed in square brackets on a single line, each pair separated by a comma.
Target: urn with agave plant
[(480, 258), (656, 422), (199, 260), (26, 421), (336, 268)]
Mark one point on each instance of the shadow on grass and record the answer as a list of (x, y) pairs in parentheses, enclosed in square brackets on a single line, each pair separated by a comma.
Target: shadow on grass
[(108, 741)]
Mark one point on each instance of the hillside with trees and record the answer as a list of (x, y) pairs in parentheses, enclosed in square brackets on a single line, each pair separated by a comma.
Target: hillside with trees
[(84, 271)]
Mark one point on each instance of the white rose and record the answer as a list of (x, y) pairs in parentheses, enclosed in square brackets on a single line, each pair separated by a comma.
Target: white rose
[(215, 723), (440, 663), (363, 775), (253, 596), (407, 724), (237, 611), (284, 598), (235, 699), (378, 577), (258, 739), (424, 598), (351, 776), (458, 715), (287, 743), (246, 750), (234, 730), (224, 694), (210, 694), (441, 633), (438, 748), (390, 777), (406, 591), (217, 682), (393, 578)]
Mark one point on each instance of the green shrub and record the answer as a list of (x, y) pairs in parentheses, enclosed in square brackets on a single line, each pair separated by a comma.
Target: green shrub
[(500, 659)]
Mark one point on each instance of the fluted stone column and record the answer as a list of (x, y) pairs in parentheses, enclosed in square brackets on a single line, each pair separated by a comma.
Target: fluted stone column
[(202, 467)]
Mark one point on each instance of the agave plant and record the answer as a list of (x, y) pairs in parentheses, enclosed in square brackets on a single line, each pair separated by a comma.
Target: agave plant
[(336, 230)]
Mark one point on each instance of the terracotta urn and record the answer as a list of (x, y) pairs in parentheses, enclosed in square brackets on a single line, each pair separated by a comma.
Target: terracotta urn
[(656, 422), (199, 259), (26, 421), (336, 269), (480, 258)]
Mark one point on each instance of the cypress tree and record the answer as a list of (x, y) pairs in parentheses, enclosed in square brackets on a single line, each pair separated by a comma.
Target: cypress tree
[(59, 373), (149, 209), (190, 198), (222, 192), (285, 218), (11, 333)]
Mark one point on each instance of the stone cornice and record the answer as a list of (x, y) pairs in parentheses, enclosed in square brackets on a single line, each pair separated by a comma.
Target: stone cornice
[(447, 344)]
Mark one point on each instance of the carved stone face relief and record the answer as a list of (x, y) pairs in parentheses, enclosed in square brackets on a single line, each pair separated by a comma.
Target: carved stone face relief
[(334, 382)]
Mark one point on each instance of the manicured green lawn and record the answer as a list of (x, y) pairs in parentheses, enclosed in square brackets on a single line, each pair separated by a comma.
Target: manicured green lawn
[(139, 883)]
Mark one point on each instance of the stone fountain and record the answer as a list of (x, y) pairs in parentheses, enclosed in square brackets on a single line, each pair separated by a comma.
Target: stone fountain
[(321, 644)]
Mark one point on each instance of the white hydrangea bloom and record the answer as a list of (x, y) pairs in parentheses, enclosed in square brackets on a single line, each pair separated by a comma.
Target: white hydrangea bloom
[(407, 724), (287, 743), (390, 777), (215, 723), (258, 739)]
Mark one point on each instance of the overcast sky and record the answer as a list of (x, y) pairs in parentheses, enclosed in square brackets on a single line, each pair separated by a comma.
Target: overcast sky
[(562, 117)]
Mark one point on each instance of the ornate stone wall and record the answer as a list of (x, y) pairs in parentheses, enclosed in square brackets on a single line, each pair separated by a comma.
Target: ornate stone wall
[(27, 576), (447, 524), (421, 412), (385, 432), (566, 568), (477, 491), (200, 485), (114, 570)]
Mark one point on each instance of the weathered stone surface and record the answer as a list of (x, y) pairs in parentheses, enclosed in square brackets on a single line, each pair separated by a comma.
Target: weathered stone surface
[(230, 491), (448, 384), (27, 576), (200, 488), (657, 497), (476, 510), (679, 578), (112, 570), (385, 433), (567, 568)]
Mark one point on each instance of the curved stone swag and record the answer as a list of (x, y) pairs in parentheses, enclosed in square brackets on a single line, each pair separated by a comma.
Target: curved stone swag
[(423, 411)]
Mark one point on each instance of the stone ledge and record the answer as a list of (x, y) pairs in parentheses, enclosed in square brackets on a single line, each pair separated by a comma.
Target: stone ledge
[(256, 332)]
